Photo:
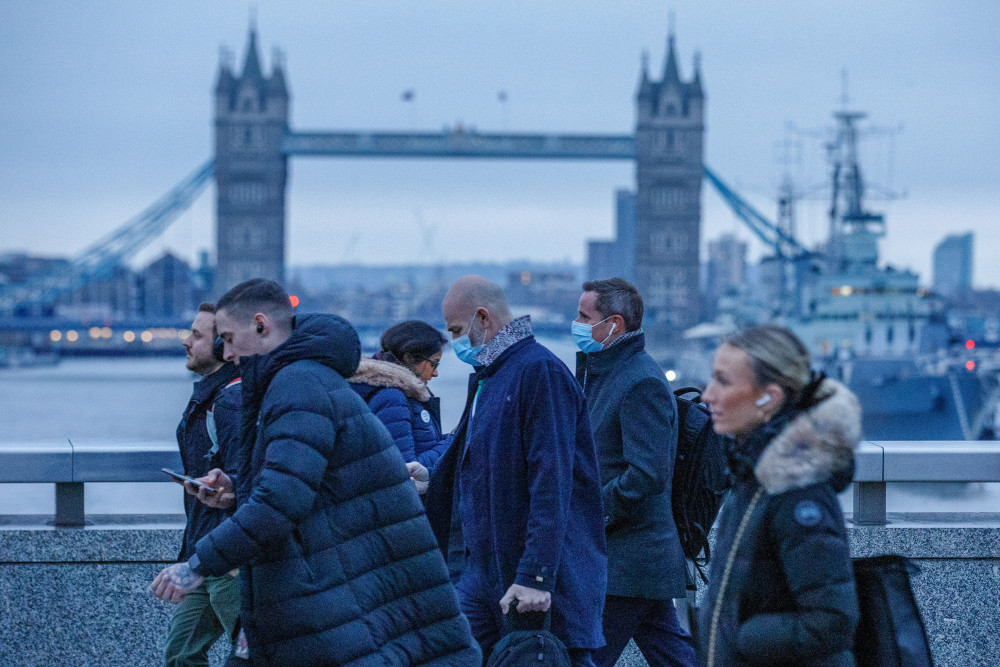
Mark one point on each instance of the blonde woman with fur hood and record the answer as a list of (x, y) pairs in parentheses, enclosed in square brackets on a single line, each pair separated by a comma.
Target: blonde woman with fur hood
[(781, 589)]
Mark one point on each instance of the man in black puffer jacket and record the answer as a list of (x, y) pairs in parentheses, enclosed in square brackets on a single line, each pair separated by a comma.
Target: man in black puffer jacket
[(338, 563)]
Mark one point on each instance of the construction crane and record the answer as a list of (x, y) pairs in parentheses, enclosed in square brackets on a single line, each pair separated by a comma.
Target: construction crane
[(100, 259)]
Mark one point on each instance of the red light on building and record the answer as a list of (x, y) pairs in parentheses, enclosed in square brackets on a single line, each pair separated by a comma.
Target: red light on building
[(970, 344), (295, 301), (970, 365)]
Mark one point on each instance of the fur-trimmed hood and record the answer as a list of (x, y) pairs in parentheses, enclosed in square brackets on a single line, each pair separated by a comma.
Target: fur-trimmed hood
[(379, 373), (816, 445)]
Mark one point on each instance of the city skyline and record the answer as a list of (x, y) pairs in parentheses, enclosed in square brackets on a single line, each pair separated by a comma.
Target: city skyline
[(108, 107)]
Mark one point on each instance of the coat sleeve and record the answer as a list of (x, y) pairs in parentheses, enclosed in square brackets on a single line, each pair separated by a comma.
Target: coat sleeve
[(228, 410), (648, 419), (393, 410), (298, 431), (429, 458), (808, 529), (551, 408)]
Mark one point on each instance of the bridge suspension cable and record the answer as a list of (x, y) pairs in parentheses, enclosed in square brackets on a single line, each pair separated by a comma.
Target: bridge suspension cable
[(783, 244), (102, 257)]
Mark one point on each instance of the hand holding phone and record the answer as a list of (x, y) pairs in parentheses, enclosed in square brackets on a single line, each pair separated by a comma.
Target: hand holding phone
[(181, 479)]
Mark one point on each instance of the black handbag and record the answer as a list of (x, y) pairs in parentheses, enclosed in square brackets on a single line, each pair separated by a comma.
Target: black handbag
[(891, 632), (530, 643)]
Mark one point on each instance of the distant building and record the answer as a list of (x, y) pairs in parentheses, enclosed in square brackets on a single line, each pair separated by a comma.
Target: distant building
[(251, 121), (167, 288), (953, 264), (616, 258), (726, 271), (669, 138)]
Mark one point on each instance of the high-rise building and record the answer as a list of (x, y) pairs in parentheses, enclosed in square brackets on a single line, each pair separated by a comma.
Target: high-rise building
[(953, 264), (251, 121), (727, 268), (609, 259)]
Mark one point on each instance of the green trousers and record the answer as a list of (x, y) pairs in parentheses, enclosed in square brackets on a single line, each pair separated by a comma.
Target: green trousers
[(203, 616)]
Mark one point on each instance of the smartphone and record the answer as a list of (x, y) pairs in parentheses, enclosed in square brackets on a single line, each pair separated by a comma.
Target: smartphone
[(184, 478)]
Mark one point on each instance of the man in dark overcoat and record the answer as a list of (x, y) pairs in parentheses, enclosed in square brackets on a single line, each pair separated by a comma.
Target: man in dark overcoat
[(522, 476), (634, 417)]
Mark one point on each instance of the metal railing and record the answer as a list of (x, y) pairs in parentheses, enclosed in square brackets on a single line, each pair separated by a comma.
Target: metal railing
[(878, 463), (70, 465)]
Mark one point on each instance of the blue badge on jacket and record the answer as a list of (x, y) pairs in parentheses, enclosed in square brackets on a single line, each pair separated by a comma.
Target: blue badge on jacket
[(808, 513), (426, 416)]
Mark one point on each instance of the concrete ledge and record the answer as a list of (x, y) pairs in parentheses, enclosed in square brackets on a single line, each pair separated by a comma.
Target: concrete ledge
[(80, 596)]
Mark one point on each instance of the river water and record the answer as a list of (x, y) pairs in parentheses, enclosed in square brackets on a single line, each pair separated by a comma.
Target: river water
[(135, 400)]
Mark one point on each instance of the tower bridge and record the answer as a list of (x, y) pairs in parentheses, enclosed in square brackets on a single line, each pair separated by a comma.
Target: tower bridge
[(254, 139)]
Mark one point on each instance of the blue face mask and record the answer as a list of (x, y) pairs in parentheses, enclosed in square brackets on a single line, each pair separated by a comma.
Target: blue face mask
[(583, 335), (464, 349)]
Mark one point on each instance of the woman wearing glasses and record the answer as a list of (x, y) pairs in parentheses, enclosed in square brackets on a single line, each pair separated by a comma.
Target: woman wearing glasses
[(394, 384)]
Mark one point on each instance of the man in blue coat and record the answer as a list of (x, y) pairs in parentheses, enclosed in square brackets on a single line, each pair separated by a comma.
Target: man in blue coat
[(634, 416), (522, 475), (338, 564)]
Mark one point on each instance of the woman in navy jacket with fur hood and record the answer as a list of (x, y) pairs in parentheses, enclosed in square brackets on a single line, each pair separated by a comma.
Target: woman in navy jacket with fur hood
[(781, 589), (394, 384)]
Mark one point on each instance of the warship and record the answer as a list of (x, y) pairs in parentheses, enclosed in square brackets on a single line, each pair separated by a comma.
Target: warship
[(872, 326)]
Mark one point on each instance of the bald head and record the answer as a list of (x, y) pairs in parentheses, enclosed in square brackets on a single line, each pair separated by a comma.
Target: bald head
[(474, 298)]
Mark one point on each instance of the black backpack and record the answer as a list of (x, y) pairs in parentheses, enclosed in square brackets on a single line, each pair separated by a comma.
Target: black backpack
[(891, 632), (524, 647), (700, 477)]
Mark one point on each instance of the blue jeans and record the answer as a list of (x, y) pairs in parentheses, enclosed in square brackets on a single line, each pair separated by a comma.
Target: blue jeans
[(654, 627)]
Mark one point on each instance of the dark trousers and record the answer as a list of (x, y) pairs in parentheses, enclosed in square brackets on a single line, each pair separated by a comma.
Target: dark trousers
[(479, 596), (654, 627)]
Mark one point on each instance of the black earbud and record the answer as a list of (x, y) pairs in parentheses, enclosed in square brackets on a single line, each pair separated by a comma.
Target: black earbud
[(260, 328)]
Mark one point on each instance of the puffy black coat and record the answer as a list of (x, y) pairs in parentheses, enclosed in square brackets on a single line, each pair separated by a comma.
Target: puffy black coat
[(789, 596), (339, 565), (405, 405)]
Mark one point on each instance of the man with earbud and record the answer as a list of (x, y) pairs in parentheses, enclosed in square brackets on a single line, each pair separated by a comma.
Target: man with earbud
[(208, 436), (633, 414), (338, 564)]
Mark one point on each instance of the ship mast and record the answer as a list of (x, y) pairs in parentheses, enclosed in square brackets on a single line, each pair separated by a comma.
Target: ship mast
[(854, 231)]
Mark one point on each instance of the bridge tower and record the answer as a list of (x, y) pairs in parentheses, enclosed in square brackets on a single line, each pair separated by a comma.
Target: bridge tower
[(669, 139), (251, 120)]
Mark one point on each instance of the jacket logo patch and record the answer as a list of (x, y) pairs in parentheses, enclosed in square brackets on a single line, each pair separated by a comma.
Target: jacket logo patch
[(808, 513), (425, 416)]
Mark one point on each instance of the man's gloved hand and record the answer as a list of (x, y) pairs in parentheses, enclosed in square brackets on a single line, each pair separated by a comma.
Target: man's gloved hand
[(175, 582)]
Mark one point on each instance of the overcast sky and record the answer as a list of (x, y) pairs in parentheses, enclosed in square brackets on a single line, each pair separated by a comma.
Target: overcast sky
[(107, 105)]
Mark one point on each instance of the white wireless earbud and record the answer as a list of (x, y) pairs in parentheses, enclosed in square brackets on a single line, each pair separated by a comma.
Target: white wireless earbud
[(763, 400)]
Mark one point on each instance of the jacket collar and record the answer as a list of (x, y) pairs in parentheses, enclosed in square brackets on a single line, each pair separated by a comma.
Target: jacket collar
[(206, 387), (609, 357), (379, 373), (514, 331), (483, 372), (799, 448)]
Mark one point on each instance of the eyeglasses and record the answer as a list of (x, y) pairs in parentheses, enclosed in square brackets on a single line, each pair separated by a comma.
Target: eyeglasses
[(434, 364)]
